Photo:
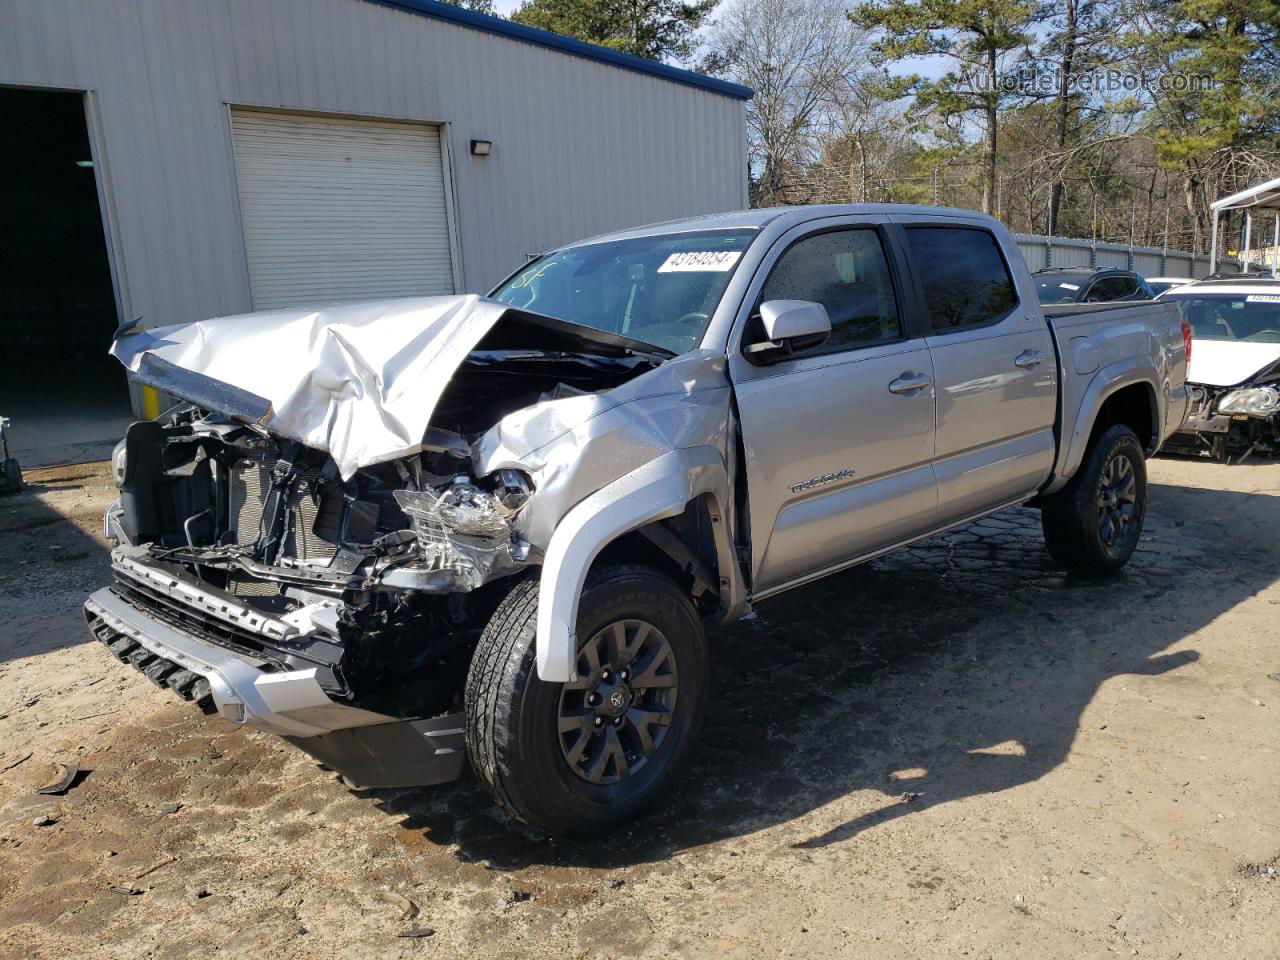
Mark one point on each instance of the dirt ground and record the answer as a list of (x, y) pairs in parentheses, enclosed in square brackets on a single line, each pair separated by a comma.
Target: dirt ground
[(952, 752)]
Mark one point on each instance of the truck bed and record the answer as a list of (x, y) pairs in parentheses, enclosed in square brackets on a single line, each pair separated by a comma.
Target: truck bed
[(1105, 342)]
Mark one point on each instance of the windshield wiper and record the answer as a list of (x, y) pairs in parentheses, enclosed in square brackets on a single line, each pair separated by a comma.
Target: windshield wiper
[(534, 355)]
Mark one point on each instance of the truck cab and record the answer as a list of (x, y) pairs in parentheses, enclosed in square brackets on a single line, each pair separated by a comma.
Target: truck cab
[(506, 547)]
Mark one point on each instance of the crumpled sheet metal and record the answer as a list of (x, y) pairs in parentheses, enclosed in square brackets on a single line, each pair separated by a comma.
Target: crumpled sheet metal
[(575, 446), (359, 381)]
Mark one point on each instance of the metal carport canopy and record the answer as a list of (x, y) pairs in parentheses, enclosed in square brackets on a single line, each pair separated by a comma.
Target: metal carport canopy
[(1263, 197)]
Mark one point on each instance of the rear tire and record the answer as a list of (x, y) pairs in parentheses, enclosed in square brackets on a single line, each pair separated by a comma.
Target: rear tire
[(1092, 525), (582, 757)]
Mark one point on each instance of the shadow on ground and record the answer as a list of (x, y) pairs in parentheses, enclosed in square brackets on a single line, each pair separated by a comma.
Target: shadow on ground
[(958, 667), (48, 562)]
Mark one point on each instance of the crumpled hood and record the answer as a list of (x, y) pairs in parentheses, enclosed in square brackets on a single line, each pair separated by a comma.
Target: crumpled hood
[(359, 381), (1225, 363)]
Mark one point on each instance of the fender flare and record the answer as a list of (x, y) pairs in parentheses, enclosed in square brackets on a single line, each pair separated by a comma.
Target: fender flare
[(1106, 382), (660, 489)]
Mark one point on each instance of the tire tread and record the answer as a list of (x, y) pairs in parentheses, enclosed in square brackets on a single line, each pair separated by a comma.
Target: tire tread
[(490, 691), (502, 669)]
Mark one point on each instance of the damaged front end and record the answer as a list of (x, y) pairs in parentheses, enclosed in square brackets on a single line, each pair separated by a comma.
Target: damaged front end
[(330, 600), (321, 593), (1230, 423)]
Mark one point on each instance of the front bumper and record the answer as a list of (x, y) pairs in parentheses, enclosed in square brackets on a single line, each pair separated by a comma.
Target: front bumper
[(1202, 432), (370, 749), (244, 689), (1206, 424)]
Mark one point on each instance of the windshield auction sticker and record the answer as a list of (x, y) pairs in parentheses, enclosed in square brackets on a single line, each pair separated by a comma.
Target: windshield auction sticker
[(1263, 298), (694, 261)]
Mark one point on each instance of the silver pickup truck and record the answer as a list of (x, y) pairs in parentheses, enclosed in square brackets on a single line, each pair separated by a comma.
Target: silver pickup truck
[(405, 533)]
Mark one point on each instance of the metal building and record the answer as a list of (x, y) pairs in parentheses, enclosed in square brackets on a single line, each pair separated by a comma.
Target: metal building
[(182, 159)]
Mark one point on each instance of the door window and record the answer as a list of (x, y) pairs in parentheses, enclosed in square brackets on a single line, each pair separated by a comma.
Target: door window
[(965, 279), (1110, 288), (1129, 288), (847, 272)]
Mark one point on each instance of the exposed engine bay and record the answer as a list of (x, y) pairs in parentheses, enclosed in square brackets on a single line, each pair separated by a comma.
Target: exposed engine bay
[(378, 579)]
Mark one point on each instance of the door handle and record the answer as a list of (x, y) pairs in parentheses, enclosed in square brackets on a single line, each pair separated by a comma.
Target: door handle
[(1028, 359), (909, 383)]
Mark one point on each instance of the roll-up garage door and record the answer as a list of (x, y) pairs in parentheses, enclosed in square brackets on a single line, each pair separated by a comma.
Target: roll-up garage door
[(338, 209)]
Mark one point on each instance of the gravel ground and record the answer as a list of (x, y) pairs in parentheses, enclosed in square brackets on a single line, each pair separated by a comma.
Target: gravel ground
[(951, 752)]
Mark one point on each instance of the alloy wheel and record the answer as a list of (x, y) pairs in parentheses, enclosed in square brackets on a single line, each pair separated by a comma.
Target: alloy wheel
[(614, 718), (1117, 499)]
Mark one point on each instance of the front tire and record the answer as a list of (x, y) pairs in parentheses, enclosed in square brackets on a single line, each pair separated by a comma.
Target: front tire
[(580, 757), (1092, 525)]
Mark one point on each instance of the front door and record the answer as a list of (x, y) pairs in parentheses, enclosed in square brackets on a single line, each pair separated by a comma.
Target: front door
[(995, 368), (838, 440)]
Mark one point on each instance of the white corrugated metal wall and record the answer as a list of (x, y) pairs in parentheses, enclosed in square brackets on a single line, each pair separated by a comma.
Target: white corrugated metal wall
[(580, 147)]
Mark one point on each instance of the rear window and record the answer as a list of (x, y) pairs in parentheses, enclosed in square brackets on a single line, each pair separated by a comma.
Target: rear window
[(966, 282)]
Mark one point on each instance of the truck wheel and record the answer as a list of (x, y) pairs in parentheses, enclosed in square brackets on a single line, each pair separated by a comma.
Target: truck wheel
[(1092, 524), (583, 756)]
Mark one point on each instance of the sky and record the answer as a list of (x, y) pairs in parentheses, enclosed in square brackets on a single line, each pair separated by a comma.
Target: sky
[(932, 67)]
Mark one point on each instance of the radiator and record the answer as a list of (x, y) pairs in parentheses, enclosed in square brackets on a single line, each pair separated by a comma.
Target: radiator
[(250, 482)]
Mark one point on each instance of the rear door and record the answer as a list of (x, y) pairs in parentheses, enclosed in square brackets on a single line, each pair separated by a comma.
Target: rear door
[(838, 440), (994, 369)]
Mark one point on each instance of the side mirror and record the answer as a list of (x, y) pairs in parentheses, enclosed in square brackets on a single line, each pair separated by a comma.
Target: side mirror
[(790, 326)]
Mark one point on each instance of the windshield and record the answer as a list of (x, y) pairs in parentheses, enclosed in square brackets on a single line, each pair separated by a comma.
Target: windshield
[(1058, 289), (660, 289), (1160, 286), (1249, 318)]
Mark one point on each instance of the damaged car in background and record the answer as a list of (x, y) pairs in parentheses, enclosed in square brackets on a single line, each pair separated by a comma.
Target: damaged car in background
[(1235, 368), (410, 533)]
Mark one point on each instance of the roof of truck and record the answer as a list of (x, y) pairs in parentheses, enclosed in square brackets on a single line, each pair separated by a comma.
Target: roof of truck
[(788, 216), (1087, 271)]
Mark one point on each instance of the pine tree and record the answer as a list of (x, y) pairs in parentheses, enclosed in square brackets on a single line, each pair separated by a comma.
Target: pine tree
[(976, 36), (654, 29), (1213, 72)]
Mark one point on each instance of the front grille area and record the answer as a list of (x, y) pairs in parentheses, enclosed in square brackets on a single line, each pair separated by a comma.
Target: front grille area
[(189, 619)]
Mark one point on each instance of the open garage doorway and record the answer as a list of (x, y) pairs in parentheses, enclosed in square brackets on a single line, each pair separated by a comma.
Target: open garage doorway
[(67, 399)]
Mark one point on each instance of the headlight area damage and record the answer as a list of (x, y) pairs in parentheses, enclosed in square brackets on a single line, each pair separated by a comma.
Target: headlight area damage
[(1231, 423), (308, 545)]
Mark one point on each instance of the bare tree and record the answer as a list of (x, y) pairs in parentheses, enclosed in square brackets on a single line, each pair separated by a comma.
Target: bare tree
[(801, 57)]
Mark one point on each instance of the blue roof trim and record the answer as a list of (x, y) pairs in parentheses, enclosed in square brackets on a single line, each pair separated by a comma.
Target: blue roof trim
[(554, 41)]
